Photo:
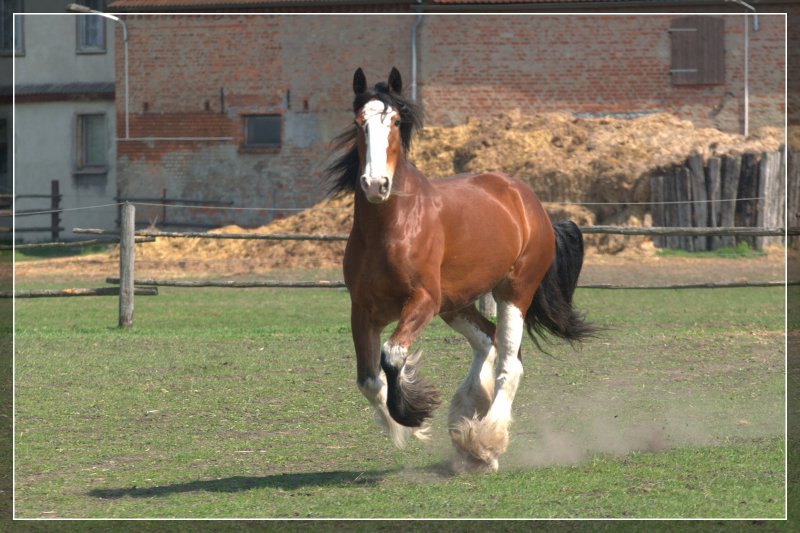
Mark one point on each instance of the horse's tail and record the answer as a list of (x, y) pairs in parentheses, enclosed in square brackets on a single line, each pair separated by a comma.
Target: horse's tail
[(551, 311)]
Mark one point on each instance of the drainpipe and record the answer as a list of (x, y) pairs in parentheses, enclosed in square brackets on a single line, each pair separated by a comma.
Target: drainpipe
[(414, 28), (78, 8), (747, 60)]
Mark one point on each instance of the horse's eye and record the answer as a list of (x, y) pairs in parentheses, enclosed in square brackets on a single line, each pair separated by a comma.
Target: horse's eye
[(397, 123)]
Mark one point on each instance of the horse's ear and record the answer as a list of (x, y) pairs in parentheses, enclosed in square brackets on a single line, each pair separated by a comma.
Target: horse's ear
[(359, 81), (395, 81)]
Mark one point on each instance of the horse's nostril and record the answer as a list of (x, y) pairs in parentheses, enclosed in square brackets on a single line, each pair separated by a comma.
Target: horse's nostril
[(384, 186)]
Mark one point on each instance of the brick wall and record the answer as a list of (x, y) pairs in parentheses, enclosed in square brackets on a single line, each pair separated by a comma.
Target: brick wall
[(196, 76), (591, 64)]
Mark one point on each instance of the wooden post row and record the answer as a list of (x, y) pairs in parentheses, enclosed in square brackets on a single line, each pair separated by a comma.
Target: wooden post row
[(126, 264)]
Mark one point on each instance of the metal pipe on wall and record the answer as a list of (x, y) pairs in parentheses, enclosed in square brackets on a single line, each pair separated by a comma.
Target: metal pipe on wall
[(414, 28), (746, 112)]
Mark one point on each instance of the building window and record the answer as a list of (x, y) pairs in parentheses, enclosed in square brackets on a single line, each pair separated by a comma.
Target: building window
[(262, 131), (92, 29), (698, 50), (92, 149), (12, 29)]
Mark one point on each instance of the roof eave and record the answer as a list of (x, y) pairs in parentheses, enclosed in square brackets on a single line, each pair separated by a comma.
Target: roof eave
[(231, 7)]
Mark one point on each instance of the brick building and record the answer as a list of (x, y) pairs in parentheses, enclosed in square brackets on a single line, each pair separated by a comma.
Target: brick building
[(239, 109)]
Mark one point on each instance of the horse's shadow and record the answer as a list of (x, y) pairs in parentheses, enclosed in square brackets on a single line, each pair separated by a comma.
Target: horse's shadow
[(245, 483)]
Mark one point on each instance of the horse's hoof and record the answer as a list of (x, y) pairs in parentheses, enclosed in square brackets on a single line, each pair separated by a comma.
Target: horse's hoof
[(466, 463)]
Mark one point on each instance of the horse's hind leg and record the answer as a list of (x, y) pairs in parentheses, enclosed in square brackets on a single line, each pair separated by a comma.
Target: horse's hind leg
[(474, 396), (482, 440)]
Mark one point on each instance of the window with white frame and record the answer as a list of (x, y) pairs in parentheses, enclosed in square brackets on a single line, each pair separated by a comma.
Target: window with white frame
[(12, 29), (92, 145), (92, 28)]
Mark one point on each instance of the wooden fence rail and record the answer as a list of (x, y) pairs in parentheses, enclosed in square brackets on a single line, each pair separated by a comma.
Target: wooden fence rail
[(204, 235), (150, 282), (71, 244), (50, 293), (53, 210)]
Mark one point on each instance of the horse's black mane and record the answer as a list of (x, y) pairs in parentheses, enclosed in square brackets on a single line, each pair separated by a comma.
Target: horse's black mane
[(342, 174)]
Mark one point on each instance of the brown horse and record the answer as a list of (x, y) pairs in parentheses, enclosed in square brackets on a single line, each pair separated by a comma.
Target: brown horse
[(419, 248)]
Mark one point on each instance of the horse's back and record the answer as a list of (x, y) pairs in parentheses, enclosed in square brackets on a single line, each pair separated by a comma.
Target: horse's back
[(494, 197), (491, 220)]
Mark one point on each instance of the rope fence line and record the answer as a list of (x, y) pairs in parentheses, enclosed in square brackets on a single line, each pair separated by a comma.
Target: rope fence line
[(325, 284), (611, 230), (144, 236), (166, 205)]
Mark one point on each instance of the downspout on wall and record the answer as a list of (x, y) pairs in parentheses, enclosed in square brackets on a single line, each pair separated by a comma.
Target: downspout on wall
[(746, 118), (414, 28)]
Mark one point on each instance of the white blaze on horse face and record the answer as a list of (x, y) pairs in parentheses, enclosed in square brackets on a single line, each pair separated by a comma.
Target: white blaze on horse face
[(376, 181)]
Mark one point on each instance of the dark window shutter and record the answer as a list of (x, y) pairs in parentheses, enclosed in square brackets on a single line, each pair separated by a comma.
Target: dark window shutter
[(698, 50), (263, 130)]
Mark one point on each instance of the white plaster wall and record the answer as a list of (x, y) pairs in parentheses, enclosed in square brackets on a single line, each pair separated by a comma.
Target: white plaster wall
[(45, 132), (50, 51), (45, 150)]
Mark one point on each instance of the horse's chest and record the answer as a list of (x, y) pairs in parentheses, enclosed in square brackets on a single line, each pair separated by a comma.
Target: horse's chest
[(376, 282)]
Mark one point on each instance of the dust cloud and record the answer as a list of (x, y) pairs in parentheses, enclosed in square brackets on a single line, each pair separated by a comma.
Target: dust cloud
[(599, 427)]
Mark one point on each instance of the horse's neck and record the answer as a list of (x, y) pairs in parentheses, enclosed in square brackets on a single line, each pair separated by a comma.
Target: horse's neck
[(409, 187)]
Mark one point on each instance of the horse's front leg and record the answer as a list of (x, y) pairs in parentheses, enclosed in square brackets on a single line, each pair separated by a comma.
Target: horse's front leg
[(411, 399), (371, 379)]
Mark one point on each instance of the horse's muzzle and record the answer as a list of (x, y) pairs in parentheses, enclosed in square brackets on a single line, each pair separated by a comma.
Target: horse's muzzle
[(376, 189)]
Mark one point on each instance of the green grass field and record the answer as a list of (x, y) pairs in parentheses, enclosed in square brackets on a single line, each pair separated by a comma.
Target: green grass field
[(242, 403)]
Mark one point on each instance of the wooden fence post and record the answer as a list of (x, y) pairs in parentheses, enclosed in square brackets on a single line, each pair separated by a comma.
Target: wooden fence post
[(670, 196), (793, 182), (770, 188), (746, 210), (657, 207), (126, 251), (683, 189), (714, 195), (700, 197), (55, 205), (731, 169)]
